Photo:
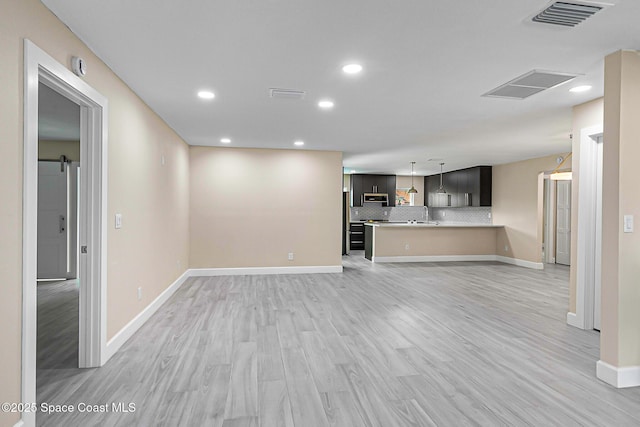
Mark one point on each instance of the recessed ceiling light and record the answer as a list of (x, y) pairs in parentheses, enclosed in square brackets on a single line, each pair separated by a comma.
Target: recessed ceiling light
[(325, 104), (298, 143), (225, 140), (583, 88), (206, 94), (352, 68)]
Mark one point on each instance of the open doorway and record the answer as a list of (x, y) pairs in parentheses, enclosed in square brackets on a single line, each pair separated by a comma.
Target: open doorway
[(589, 231), (57, 252), (42, 70), (556, 244)]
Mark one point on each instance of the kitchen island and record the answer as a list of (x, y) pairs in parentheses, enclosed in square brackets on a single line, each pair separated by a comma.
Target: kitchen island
[(420, 242)]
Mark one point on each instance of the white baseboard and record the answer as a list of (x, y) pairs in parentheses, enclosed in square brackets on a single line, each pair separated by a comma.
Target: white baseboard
[(114, 344), (434, 258), (248, 271), (572, 320), (628, 376), (19, 424), (520, 262), (449, 258)]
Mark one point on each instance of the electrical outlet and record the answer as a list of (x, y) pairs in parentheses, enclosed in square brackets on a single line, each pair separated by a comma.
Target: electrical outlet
[(406, 247), (118, 220), (290, 256), (356, 212), (489, 215), (628, 224), (162, 161), (443, 213), (139, 294), (506, 248), (385, 213)]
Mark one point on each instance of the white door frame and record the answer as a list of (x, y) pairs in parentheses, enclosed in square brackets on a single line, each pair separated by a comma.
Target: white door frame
[(587, 228), (39, 67), (72, 221)]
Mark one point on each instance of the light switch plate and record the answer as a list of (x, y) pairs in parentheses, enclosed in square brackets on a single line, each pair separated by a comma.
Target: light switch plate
[(628, 224), (118, 220)]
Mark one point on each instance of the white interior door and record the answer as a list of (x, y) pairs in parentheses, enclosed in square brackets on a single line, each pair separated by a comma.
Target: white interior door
[(563, 222), (549, 221), (53, 233)]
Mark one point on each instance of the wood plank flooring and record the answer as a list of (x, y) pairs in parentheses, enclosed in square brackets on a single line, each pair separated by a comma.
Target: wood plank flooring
[(57, 325), (420, 344)]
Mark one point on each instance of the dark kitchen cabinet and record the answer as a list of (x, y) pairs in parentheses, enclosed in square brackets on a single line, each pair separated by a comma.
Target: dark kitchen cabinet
[(464, 187), (431, 185), (477, 188), (363, 183), (356, 236), (450, 181)]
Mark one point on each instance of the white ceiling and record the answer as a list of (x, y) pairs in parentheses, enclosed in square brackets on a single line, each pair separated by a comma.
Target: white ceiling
[(426, 65)]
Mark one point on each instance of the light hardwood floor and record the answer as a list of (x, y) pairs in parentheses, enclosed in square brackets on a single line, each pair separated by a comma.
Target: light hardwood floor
[(447, 344), (57, 325)]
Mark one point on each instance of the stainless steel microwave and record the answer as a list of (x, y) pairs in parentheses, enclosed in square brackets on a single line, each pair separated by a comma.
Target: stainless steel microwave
[(376, 198)]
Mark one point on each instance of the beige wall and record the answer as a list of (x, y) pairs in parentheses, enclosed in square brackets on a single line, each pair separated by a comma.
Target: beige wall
[(153, 199), (418, 182), (620, 333), (517, 204), (251, 207), (434, 241), (49, 150), (584, 115)]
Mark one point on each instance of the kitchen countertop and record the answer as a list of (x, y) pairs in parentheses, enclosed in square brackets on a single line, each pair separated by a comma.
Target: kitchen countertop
[(430, 225)]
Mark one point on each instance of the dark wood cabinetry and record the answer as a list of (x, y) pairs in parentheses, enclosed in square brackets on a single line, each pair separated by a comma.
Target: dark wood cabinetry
[(362, 183), (465, 187), (356, 236)]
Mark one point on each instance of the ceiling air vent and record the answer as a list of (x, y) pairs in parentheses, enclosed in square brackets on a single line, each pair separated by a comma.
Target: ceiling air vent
[(286, 94), (567, 14), (529, 84)]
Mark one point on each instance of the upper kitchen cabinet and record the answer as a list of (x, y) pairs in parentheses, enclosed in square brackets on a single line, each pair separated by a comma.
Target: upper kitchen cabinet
[(480, 182), (465, 187), (431, 184), (363, 183)]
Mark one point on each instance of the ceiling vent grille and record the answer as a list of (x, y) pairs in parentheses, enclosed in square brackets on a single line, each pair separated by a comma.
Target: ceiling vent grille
[(566, 14), (529, 84), (286, 94)]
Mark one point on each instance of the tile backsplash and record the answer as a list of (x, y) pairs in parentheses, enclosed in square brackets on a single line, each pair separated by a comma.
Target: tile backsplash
[(398, 213), (470, 215)]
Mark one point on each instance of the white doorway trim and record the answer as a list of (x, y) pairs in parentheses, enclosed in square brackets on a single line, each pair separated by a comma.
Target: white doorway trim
[(39, 67), (587, 228)]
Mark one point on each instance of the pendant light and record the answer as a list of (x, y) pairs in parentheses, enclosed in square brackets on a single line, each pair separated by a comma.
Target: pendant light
[(441, 190), (412, 190)]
